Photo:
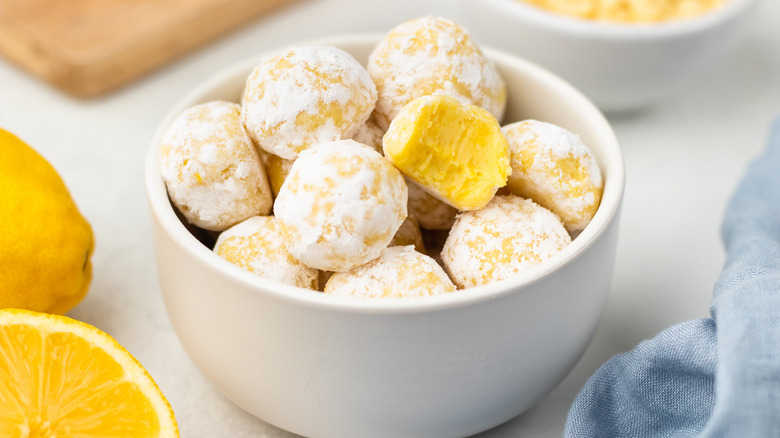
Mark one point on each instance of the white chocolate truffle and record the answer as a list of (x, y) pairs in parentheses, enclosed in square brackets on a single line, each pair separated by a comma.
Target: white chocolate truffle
[(508, 236), (456, 152), (305, 95), (399, 272), (340, 205), (432, 55), (256, 245), (553, 167), (213, 172)]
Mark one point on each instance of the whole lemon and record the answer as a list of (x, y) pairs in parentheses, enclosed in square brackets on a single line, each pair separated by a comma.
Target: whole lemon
[(45, 243)]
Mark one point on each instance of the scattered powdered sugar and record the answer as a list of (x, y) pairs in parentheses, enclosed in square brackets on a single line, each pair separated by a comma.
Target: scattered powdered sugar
[(399, 271), (340, 205), (508, 236), (211, 169), (306, 95), (432, 55)]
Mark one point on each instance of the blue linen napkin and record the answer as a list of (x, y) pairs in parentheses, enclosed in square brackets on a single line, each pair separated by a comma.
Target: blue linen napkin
[(711, 377)]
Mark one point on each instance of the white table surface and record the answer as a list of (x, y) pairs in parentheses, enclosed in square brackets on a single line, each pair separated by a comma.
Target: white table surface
[(683, 159)]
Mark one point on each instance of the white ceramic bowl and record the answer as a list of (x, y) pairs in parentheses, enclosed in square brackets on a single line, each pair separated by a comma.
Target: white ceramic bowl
[(618, 66), (440, 366)]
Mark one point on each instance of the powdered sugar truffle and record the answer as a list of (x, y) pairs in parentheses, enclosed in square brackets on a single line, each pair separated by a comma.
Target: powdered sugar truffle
[(508, 236), (556, 169), (400, 271), (341, 204), (256, 245), (432, 55), (211, 168), (305, 95)]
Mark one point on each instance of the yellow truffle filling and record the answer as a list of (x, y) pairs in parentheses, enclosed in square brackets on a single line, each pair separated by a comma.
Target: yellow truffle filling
[(456, 151)]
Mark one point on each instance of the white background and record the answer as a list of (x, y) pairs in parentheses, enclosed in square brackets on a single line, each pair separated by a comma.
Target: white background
[(683, 159)]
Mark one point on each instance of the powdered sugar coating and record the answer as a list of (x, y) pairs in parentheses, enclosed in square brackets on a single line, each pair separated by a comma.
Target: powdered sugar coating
[(508, 236), (340, 205), (432, 55), (305, 95), (256, 245), (400, 271), (556, 169), (212, 171)]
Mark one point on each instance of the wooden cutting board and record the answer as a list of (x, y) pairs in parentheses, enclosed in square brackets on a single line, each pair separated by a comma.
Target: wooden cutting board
[(89, 47)]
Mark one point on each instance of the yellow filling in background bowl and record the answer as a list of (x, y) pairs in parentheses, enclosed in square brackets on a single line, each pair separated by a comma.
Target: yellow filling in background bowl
[(628, 11)]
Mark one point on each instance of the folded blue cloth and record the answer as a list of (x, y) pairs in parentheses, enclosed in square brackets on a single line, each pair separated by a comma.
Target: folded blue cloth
[(712, 377)]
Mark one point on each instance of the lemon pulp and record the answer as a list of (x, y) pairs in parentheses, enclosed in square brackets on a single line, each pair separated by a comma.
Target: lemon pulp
[(60, 378)]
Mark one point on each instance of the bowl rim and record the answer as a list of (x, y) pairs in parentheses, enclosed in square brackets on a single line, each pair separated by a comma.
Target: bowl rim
[(583, 28), (163, 211)]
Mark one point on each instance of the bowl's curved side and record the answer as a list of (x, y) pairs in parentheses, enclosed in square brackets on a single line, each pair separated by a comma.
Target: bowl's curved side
[(447, 373), (451, 367)]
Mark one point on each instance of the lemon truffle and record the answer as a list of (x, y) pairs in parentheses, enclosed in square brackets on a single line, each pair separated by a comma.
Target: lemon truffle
[(400, 271), (556, 169), (432, 55), (305, 95), (456, 152), (256, 245), (213, 172), (508, 236), (341, 204)]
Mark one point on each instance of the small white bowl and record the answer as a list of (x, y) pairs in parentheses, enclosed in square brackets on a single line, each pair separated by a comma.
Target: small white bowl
[(620, 66), (441, 366)]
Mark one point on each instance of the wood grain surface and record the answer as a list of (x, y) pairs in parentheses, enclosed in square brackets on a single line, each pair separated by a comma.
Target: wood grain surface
[(89, 47)]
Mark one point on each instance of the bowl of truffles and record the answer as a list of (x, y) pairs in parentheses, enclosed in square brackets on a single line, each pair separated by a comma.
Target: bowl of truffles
[(396, 234)]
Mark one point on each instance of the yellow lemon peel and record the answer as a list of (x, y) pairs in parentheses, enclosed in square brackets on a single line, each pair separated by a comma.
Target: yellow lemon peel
[(46, 244)]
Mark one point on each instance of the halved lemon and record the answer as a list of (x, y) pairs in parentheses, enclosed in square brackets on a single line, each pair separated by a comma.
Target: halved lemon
[(62, 378)]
